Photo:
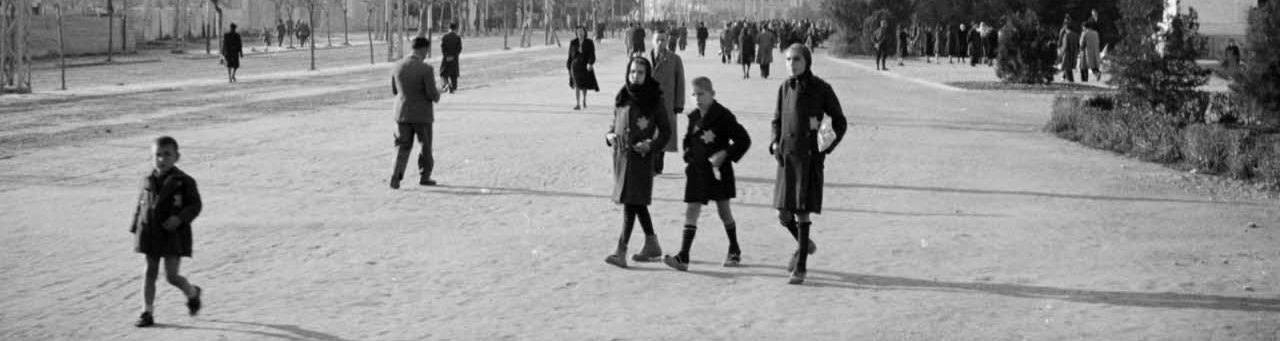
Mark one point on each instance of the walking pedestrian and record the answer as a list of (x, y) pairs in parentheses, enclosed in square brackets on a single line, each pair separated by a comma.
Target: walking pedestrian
[(801, 151)]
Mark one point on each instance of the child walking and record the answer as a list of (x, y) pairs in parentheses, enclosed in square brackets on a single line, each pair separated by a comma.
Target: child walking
[(712, 143), (168, 202), (640, 127)]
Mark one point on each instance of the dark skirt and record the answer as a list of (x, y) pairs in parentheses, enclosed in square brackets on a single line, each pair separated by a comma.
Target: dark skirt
[(746, 55), (232, 61), (799, 184), (702, 186), (155, 241), (580, 78)]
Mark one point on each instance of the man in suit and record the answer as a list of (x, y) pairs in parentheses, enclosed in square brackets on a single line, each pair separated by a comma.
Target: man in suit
[(450, 47), (702, 39), (668, 70), (231, 53), (879, 43), (413, 83)]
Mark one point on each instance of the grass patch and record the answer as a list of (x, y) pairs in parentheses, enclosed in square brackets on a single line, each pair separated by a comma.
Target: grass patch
[(1035, 88)]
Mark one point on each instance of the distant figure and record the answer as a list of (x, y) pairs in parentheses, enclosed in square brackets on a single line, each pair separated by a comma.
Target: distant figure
[(581, 65), (450, 47), (747, 50), (413, 82), (765, 42), (304, 33), (281, 29), (231, 53), (668, 70), (169, 201), (1231, 55), (637, 42), (702, 39), (1090, 50), (1070, 51), (878, 42)]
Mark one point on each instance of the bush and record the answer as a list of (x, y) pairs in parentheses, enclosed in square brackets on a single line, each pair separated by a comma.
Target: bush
[(1027, 51), (1259, 79), (848, 16), (869, 26), (1134, 128), (1160, 68)]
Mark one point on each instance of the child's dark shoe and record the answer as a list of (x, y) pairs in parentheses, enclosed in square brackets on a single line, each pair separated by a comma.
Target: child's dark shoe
[(193, 303), (797, 277), (676, 263), (651, 252), (732, 260), (145, 320)]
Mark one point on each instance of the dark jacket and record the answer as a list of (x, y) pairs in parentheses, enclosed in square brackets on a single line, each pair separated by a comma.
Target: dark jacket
[(702, 33), (637, 40), (632, 171), (161, 197), (802, 101), (231, 46), (450, 48), (710, 133), (581, 55), (1070, 46), (414, 84)]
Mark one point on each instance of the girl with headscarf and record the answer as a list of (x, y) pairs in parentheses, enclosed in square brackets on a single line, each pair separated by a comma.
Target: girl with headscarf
[(800, 151), (640, 128), (582, 76)]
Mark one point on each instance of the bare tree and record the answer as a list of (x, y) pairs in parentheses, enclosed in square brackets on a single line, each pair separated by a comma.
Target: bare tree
[(341, 5)]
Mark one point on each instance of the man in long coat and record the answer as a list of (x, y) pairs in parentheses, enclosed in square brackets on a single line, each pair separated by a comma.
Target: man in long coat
[(1090, 52), (450, 47), (637, 41), (668, 70), (765, 43), (413, 82), (702, 39)]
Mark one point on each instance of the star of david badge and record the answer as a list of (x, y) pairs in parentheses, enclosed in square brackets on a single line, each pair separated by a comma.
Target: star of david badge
[(642, 122), (708, 136), (815, 123)]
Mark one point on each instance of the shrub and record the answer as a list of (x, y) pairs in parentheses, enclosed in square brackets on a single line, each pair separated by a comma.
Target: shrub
[(1027, 51), (869, 26), (1159, 68), (1259, 79), (848, 16)]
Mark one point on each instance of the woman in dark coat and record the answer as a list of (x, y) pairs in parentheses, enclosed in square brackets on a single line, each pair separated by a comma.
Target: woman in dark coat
[(640, 126), (800, 152), (747, 50), (581, 65)]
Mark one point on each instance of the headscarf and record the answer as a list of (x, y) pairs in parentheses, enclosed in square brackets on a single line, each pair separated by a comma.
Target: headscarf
[(798, 80), (645, 95)]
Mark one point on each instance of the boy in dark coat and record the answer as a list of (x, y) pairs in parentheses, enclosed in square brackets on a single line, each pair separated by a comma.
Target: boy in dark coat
[(713, 142), (640, 128), (801, 151), (168, 203)]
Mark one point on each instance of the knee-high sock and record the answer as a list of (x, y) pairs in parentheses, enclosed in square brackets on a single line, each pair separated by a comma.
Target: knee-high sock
[(803, 242), (685, 244), (731, 231)]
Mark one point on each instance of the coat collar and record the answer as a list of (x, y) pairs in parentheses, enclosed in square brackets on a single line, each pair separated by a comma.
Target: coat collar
[(709, 118)]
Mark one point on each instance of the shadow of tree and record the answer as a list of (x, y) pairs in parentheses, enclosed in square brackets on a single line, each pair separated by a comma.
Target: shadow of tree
[(836, 279), (280, 331), (486, 191), (1015, 193)]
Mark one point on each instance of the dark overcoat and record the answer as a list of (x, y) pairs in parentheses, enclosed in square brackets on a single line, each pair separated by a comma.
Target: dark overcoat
[(414, 85), (161, 197), (668, 70), (1070, 49), (802, 102), (581, 55), (632, 171), (746, 47), (710, 133), (450, 47)]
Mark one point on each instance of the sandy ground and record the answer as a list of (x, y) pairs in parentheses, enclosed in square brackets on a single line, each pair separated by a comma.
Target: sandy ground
[(949, 216)]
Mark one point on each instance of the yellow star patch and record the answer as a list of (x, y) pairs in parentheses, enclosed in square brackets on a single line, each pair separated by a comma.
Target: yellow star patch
[(642, 122), (708, 136), (815, 123)]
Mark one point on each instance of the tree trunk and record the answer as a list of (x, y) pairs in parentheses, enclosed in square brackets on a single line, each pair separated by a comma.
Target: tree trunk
[(391, 41), (346, 39), (368, 23), (62, 57), (328, 28), (111, 29), (311, 20), (124, 27)]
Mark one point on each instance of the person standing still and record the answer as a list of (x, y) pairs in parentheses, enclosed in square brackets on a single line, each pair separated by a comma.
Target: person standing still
[(280, 32), (799, 151), (232, 51), (413, 82), (668, 70), (450, 47), (878, 43)]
